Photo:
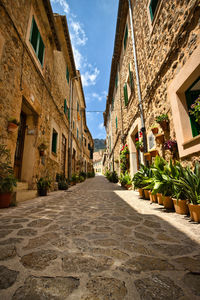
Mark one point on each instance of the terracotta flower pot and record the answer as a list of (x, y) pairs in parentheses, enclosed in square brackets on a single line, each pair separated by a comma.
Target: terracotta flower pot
[(154, 153), (12, 127), (5, 199), (194, 212), (154, 130), (141, 193), (168, 202), (42, 192), (128, 186), (160, 198), (160, 138), (181, 206), (164, 125), (146, 194), (147, 156), (153, 198)]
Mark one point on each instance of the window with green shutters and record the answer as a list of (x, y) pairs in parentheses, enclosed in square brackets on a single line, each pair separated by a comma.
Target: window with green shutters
[(125, 95), (67, 74), (191, 95), (68, 114), (54, 141), (131, 78), (65, 106), (152, 8), (116, 121), (125, 37), (37, 42), (116, 81)]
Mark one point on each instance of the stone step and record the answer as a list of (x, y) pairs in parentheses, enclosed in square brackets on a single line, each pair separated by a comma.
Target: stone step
[(23, 195), (22, 186)]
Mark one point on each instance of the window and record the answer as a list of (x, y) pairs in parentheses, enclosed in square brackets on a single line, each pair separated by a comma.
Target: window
[(116, 121), (125, 95), (112, 106), (131, 78), (37, 42), (125, 37), (67, 74), (68, 115), (152, 8), (54, 142), (77, 107), (116, 81), (77, 133), (191, 96), (65, 106), (73, 124)]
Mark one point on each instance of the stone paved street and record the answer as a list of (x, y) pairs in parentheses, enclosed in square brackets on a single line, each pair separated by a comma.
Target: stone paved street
[(97, 241)]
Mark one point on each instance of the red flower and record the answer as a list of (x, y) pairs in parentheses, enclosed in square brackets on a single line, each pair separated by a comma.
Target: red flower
[(140, 134), (136, 139)]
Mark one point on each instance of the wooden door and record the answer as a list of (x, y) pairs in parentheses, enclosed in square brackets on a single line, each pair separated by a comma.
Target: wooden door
[(20, 146)]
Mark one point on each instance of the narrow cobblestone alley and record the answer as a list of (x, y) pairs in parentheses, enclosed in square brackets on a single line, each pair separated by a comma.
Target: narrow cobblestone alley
[(97, 241)]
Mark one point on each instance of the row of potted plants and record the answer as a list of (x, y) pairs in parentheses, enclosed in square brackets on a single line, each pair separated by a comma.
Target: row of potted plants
[(172, 185)]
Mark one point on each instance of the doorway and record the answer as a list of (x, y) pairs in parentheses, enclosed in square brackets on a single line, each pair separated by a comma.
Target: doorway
[(20, 146)]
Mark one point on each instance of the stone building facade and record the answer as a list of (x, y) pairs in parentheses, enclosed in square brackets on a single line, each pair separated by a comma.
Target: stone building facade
[(41, 88), (166, 39)]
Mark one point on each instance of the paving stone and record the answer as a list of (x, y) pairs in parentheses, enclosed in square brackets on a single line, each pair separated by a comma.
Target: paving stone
[(158, 287), (12, 226), (7, 277), (46, 288), (144, 237), (137, 248), (106, 242), (20, 220), (165, 237), (103, 229), (76, 262), (40, 223), (81, 244), (189, 263), (41, 240), (145, 263), (27, 232), (105, 288), (192, 281), (173, 250), (7, 252), (38, 260), (144, 230), (11, 241), (151, 224), (113, 253), (52, 228)]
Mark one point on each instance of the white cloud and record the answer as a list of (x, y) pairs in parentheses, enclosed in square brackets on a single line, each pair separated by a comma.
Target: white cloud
[(64, 5), (101, 126), (78, 35), (89, 77)]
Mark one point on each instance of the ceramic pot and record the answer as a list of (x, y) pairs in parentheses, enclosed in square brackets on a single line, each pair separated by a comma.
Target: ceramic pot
[(154, 153), (141, 193), (147, 156), (164, 125), (5, 199), (181, 206), (160, 198), (194, 212), (153, 198), (155, 130), (160, 138), (168, 202), (42, 192), (146, 194)]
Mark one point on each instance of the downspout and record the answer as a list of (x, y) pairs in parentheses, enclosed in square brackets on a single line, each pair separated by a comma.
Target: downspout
[(137, 78)]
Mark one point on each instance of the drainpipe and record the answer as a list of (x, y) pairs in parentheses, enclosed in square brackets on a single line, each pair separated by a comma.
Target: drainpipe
[(137, 78)]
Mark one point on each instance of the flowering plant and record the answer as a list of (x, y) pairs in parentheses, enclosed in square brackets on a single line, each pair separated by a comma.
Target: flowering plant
[(124, 150), (138, 144), (195, 109), (170, 145), (124, 160)]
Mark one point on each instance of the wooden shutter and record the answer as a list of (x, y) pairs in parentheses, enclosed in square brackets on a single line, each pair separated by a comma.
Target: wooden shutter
[(54, 141), (34, 34), (69, 114), (41, 50), (125, 37), (65, 106), (116, 81), (152, 8), (67, 74), (125, 95), (131, 78)]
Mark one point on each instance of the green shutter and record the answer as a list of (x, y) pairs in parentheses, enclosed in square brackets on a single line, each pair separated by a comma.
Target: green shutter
[(116, 81), (112, 107), (73, 124), (69, 114), (125, 95), (77, 133), (34, 34), (125, 37), (131, 78), (65, 106), (191, 96), (77, 107), (37, 42), (54, 142), (151, 12), (116, 123), (41, 50), (152, 8), (67, 74)]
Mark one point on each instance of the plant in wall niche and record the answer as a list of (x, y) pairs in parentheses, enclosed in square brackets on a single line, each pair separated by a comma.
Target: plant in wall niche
[(163, 120), (195, 110), (12, 124), (154, 128), (124, 158), (171, 145), (42, 147)]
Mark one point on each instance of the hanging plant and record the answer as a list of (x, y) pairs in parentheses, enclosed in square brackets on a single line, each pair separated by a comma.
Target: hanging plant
[(124, 158), (171, 145), (163, 120), (139, 145)]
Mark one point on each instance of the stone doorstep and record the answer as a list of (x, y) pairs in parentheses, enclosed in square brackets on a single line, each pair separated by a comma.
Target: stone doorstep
[(24, 195)]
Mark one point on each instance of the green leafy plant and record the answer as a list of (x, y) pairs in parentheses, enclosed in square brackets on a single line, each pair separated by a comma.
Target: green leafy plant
[(125, 179), (83, 174), (7, 178), (112, 177), (73, 178), (62, 185), (161, 118), (43, 183), (124, 160), (139, 144), (195, 109)]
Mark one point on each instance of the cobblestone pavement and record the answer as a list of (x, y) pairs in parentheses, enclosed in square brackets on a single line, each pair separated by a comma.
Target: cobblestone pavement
[(97, 241)]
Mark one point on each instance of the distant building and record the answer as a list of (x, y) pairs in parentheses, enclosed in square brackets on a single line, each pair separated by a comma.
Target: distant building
[(41, 88), (167, 46), (97, 162)]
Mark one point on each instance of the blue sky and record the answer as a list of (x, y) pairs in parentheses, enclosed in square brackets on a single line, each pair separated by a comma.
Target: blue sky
[(92, 26)]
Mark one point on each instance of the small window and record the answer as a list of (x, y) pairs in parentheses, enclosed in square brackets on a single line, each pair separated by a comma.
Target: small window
[(125, 94), (116, 123), (192, 96), (37, 42), (65, 106), (54, 142), (67, 74), (152, 8), (125, 37)]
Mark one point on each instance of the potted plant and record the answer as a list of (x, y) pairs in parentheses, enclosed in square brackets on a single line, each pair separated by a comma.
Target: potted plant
[(125, 180), (73, 179), (147, 156), (190, 185), (195, 110), (171, 145), (160, 138), (139, 145), (42, 147), (12, 124), (153, 152), (154, 129), (7, 179), (163, 120), (43, 184)]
